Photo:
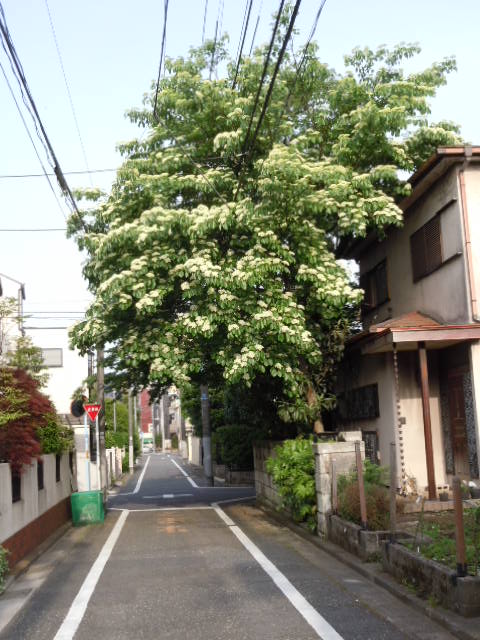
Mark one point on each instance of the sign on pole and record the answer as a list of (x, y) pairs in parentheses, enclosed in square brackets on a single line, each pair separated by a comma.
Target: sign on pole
[(93, 410)]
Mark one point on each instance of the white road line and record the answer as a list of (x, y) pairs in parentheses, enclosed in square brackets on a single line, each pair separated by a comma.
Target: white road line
[(167, 496), (77, 610), (192, 482), (197, 508), (137, 488), (236, 499), (311, 615)]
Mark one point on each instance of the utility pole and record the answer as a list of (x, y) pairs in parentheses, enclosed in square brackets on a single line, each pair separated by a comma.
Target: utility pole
[(101, 455), (130, 432), (206, 435), (115, 411), (166, 417)]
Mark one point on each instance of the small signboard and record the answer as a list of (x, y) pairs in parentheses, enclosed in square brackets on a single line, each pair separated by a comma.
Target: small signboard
[(93, 410)]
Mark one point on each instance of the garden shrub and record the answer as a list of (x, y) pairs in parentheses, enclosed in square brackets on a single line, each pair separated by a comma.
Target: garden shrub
[(233, 446), (4, 568), (293, 472), (376, 497)]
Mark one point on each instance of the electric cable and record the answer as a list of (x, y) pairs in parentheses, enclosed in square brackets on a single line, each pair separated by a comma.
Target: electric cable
[(204, 21), (47, 175), (274, 77), (304, 55), (41, 175), (246, 20), (264, 74), (7, 43), (162, 55), (57, 46), (256, 28)]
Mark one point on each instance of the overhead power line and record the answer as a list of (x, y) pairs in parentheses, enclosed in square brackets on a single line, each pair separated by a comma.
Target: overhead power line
[(273, 78), (256, 28), (44, 174), (65, 173), (305, 51), (31, 230), (162, 55), (204, 21), (264, 74), (68, 88), (17, 69), (246, 20)]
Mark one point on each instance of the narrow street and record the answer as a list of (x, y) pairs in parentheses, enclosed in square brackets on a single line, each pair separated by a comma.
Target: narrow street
[(176, 559)]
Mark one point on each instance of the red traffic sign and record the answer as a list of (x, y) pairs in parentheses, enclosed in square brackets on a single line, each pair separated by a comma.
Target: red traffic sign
[(93, 410)]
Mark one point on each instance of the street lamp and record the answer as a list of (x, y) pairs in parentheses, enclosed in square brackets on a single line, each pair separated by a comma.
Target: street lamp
[(20, 298)]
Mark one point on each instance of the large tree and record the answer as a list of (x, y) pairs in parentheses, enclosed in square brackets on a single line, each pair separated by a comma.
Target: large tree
[(214, 256)]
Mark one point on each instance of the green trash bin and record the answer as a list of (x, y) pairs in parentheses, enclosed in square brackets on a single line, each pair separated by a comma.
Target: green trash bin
[(87, 507)]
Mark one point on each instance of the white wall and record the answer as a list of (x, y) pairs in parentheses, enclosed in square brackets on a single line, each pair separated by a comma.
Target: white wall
[(443, 294), (472, 188), (412, 410), (63, 380), (33, 503), (377, 369)]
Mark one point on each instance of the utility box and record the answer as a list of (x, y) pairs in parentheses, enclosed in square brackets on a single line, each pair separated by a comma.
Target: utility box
[(87, 508)]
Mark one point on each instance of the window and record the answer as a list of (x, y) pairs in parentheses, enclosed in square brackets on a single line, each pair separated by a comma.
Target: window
[(426, 248), (16, 486), (58, 459), (375, 285), (359, 404), (40, 474)]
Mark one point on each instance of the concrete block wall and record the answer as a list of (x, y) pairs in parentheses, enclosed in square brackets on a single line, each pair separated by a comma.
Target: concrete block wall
[(195, 451), (264, 486), (26, 523), (114, 463), (343, 453)]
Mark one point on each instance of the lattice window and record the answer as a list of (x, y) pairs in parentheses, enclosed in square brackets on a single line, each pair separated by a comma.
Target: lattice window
[(426, 248)]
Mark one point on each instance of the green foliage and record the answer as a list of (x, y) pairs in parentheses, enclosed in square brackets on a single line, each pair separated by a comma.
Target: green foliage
[(174, 440), (158, 441), (55, 437), (215, 260), (442, 548), (119, 438), (4, 568), (233, 445), (376, 496), (18, 351), (293, 472)]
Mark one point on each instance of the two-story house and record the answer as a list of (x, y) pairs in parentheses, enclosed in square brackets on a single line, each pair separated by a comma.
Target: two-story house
[(412, 376)]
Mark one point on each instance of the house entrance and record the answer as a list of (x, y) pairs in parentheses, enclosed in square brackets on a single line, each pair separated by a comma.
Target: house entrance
[(458, 423)]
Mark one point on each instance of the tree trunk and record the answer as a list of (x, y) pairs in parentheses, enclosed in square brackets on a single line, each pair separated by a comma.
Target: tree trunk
[(311, 400)]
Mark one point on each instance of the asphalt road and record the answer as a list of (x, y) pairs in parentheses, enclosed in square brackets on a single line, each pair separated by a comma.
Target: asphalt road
[(176, 559)]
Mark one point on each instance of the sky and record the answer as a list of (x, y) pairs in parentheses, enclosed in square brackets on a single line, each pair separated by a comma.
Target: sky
[(110, 51)]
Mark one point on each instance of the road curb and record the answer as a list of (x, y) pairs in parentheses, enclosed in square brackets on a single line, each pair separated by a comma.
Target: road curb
[(455, 624)]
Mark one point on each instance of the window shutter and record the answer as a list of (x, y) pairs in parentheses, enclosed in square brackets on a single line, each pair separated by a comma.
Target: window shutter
[(433, 244), (381, 284), (417, 247)]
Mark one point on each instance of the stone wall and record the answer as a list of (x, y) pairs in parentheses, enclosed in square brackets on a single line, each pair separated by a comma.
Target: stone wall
[(343, 453), (264, 486)]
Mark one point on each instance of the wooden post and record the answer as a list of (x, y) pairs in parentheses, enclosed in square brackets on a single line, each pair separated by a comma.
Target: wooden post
[(393, 491), (427, 423), (459, 530), (361, 486), (334, 488)]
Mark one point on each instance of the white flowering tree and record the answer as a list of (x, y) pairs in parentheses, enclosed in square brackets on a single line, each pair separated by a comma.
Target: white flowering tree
[(214, 256)]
